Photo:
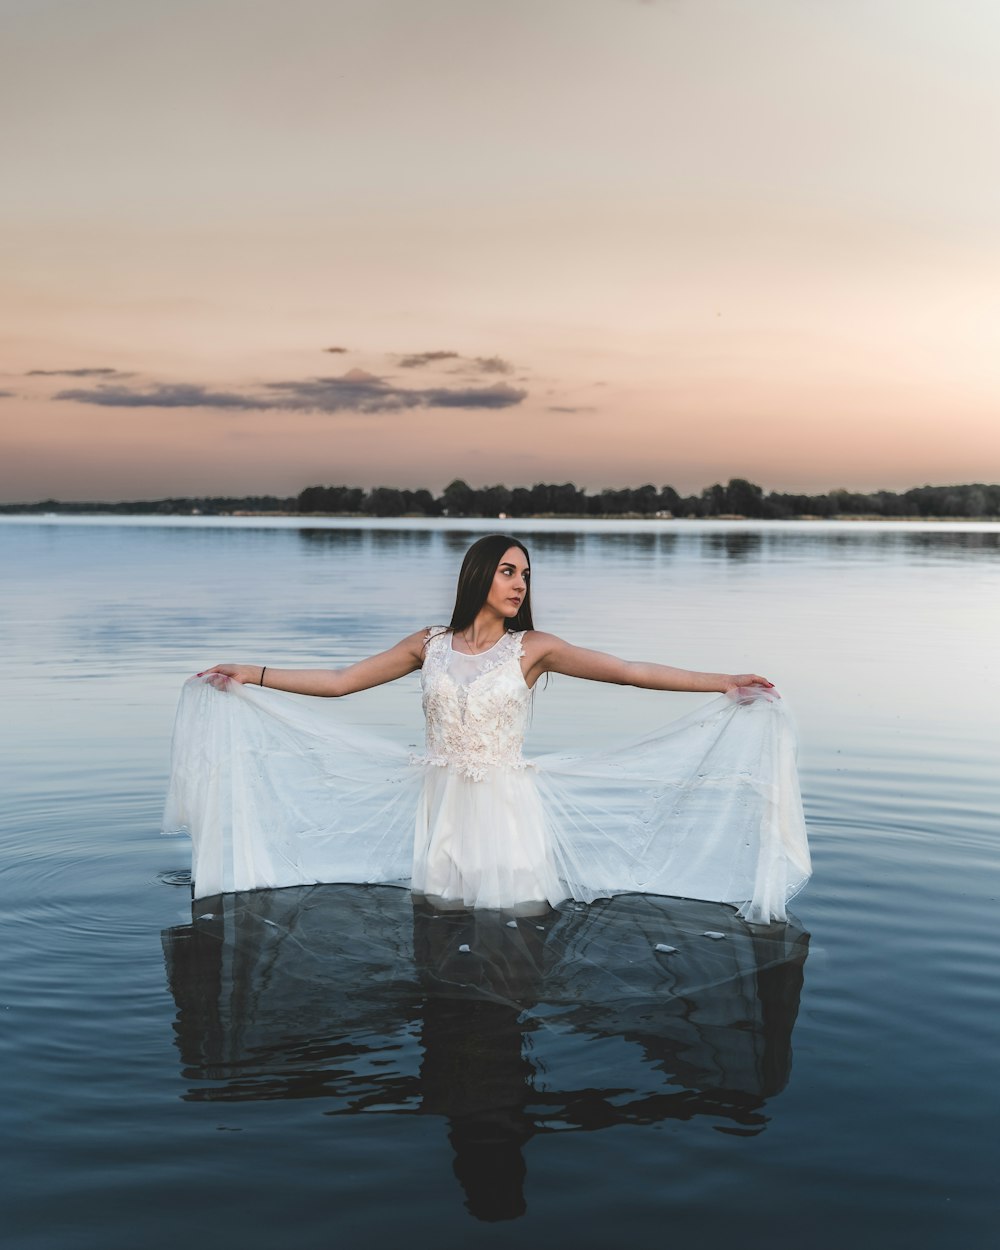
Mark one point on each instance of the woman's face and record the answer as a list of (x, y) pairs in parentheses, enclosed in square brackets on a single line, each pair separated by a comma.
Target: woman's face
[(510, 583)]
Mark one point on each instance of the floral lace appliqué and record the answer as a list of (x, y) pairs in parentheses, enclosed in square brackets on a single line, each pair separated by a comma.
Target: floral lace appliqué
[(478, 724)]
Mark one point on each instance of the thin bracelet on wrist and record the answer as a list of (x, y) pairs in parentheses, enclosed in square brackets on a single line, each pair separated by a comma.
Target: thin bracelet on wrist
[(262, 672)]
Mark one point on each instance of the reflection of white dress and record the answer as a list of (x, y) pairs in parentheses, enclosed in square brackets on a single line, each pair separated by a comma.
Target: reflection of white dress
[(275, 792)]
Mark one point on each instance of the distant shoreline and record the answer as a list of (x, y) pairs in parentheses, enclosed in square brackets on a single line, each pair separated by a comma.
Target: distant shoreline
[(737, 500), (846, 518)]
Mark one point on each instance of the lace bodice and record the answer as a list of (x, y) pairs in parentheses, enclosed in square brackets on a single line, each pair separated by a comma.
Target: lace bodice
[(476, 706)]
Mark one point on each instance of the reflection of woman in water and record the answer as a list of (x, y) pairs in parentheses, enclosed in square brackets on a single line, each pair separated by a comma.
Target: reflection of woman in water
[(502, 1030), (708, 808)]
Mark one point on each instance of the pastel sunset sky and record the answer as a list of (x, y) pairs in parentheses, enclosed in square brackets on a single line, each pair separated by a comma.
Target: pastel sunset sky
[(252, 245)]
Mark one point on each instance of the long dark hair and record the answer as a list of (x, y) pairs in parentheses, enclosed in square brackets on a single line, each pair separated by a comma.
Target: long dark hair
[(476, 577)]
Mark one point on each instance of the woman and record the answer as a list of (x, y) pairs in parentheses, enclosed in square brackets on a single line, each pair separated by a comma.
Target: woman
[(708, 808)]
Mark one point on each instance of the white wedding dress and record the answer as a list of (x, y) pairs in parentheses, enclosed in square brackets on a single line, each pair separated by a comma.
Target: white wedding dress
[(275, 791)]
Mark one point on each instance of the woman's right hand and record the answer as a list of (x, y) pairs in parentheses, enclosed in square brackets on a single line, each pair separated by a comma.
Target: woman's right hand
[(245, 674)]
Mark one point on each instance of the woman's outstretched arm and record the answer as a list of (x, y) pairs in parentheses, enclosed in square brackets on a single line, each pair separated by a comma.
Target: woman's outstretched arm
[(405, 657), (548, 654)]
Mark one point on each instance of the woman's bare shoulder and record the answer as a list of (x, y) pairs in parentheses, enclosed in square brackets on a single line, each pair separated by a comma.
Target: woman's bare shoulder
[(417, 641), (431, 631), (423, 637), (537, 642)]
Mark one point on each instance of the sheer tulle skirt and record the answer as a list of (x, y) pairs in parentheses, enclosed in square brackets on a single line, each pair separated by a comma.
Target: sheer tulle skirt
[(274, 791), (485, 843)]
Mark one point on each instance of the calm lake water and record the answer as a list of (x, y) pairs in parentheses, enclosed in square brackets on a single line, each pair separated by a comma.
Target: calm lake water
[(318, 1067)]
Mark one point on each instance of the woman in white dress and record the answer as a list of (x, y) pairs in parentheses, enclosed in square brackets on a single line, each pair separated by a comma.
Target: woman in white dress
[(273, 794)]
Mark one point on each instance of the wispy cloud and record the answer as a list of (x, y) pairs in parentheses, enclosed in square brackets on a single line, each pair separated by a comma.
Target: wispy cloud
[(494, 364), (473, 364), (358, 391), (567, 408), (354, 391), (416, 360), (164, 395), (75, 373), (335, 349), (7, 394)]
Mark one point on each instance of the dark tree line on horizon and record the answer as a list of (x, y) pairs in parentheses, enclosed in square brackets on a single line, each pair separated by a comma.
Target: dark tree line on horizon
[(737, 498)]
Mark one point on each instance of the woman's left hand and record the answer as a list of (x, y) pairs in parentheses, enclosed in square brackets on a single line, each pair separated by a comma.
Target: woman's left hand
[(739, 681), (245, 674)]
